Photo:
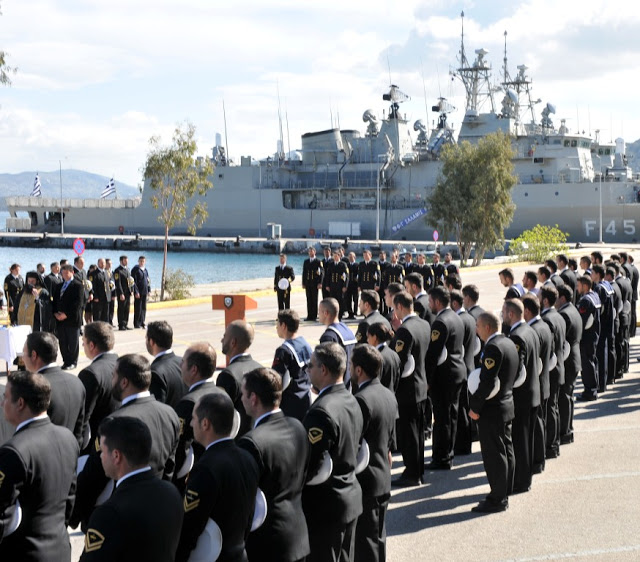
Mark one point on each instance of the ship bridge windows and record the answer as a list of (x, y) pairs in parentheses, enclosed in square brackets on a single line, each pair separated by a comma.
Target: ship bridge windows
[(604, 152)]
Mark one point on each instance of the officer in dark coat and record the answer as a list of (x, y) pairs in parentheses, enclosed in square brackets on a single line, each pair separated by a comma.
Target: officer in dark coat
[(605, 350), (368, 273), (414, 285), (143, 285), (142, 518), (439, 271), (101, 293), (125, 287), (567, 275), (589, 307), (369, 305), (614, 274), (379, 413), (13, 285), (351, 296), (280, 447), (379, 335), (326, 260), (334, 426), (166, 376), (312, 277), (424, 269), (38, 466), (67, 310), (383, 264), (283, 288), (336, 279), (394, 272), (494, 414), (112, 285)]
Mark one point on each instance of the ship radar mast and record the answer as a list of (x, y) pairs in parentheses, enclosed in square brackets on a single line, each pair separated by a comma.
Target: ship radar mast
[(396, 97)]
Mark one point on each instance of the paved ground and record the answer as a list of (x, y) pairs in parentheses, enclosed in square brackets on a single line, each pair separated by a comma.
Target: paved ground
[(585, 504)]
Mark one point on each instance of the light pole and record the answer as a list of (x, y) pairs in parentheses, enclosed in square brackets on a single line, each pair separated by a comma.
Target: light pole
[(600, 241), (61, 204), (379, 169)]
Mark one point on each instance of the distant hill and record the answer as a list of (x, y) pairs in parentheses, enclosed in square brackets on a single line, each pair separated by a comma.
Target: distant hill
[(633, 155), (75, 184)]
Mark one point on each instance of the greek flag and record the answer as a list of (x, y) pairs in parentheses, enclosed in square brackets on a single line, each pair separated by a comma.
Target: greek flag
[(37, 188), (109, 189)]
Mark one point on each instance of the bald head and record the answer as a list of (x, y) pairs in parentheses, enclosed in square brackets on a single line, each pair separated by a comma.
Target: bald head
[(237, 338)]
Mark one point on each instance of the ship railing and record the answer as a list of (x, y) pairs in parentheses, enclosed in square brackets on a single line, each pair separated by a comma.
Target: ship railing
[(48, 202)]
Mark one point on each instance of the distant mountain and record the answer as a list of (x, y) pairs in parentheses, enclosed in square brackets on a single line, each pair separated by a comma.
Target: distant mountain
[(76, 184), (633, 155)]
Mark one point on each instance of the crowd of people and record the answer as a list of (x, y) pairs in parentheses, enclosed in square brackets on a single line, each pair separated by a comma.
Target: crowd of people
[(162, 460)]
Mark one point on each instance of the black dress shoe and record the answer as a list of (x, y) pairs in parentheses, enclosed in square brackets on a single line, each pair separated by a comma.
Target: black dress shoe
[(490, 507), (552, 454), (537, 468), (437, 466), (128, 328), (523, 490), (566, 439), (68, 367), (122, 329), (143, 325), (406, 482), (584, 397)]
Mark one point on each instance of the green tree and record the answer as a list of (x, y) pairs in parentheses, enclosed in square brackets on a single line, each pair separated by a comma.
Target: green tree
[(471, 201), (539, 243), (176, 179), (5, 69)]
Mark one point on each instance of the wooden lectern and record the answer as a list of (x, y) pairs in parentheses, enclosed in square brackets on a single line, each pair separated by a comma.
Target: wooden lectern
[(234, 306)]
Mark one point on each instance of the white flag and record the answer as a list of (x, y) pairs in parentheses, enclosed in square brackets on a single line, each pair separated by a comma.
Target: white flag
[(109, 189), (37, 187)]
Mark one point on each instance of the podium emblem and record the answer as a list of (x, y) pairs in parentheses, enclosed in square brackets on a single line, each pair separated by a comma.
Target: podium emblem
[(228, 301)]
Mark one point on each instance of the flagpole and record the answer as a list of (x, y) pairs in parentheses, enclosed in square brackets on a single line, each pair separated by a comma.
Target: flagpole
[(61, 205)]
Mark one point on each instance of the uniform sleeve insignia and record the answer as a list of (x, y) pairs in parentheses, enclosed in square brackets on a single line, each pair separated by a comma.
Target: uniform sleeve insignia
[(116, 276), (1, 478), (517, 348), (435, 334), (90, 278), (97, 443), (191, 500), (358, 336), (399, 346), (315, 435), (489, 363), (93, 540), (181, 425)]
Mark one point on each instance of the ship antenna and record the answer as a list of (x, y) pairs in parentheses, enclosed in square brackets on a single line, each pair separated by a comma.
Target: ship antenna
[(389, 67), (463, 57), (506, 72), (280, 155), (226, 142), (424, 91), (286, 116)]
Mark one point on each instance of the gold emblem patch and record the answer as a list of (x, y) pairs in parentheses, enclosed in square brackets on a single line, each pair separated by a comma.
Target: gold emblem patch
[(1, 478), (116, 275), (181, 425), (399, 346), (489, 363), (191, 500), (93, 540), (358, 336), (517, 348), (435, 334), (315, 435), (97, 443)]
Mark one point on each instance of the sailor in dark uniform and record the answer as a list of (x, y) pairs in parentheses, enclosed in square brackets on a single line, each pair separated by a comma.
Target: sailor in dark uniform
[(635, 277), (166, 375), (394, 272), (379, 335), (379, 413), (408, 264), (143, 285), (439, 271), (369, 304), (382, 263), (13, 285), (282, 279), (351, 296), (568, 276), (605, 350), (554, 277), (414, 285), (424, 269), (101, 293), (626, 298), (334, 426), (616, 357), (336, 331), (312, 277), (589, 307), (368, 273), (291, 362), (514, 290), (336, 279), (125, 287), (326, 260)]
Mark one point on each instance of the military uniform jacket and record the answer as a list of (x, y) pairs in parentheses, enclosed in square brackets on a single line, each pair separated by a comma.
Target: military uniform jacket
[(353, 274), (363, 326), (312, 273), (280, 447), (341, 334), (626, 296), (589, 306), (125, 284), (412, 338), (285, 272), (421, 308), (12, 288), (141, 279), (334, 424), (99, 402), (383, 267), (50, 282), (569, 278), (140, 521), (475, 311), (516, 291), (71, 303), (393, 273), (607, 310), (38, 466), (379, 413), (635, 277), (573, 322), (426, 272), (390, 375), (447, 331), (80, 275), (336, 275), (469, 324), (527, 396), (292, 358), (499, 359), (368, 275), (166, 379), (222, 486), (100, 283), (438, 273), (67, 401), (545, 339), (558, 328), (556, 280), (164, 426), (231, 380)]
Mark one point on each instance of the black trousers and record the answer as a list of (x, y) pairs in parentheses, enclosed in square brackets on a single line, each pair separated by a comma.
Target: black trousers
[(100, 311), (371, 531), (123, 312), (498, 457), (632, 325), (622, 347), (340, 297), (112, 307), (312, 302), (410, 428), (589, 361), (444, 397), (464, 432), (523, 425), (330, 541), (69, 340), (139, 311), (352, 298), (605, 352), (539, 435), (284, 299), (553, 416), (566, 404)]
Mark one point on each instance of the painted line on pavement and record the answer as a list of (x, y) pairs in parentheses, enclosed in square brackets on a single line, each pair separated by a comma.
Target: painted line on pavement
[(579, 554)]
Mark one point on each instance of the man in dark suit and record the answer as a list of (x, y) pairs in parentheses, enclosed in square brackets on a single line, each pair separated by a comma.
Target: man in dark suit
[(13, 285), (101, 293), (97, 341), (446, 371), (166, 376), (50, 282), (616, 277), (125, 287), (66, 406), (283, 271), (131, 380), (312, 276), (38, 466), (494, 415), (369, 273), (635, 278), (410, 343), (379, 335), (143, 285), (351, 297), (414, 285), (526, 395), (67, 309), (334, 427), (142, 518), (379, 413), (198, 365), (280, 447), (336, 280), (222, 485), (572, 364), (112, 285), (369, 305), (326, 260), (236, 341), (567, 275)]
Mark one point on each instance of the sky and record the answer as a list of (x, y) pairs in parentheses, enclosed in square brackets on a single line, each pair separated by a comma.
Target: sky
[(97, 79)]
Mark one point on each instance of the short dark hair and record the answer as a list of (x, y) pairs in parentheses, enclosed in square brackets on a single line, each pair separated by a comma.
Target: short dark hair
[(404, 299), (562, 258), (531, 276), (515, 306), (623, 256), (586, 258), (506, 272), (572, 263), (585, 280), (203, 356), (66, 267), (597, 256), (550, 294), (566, 292), (44, 344), (33, 388), (415, 279), (136, 369), (610, 271), (440, 294), (101, 335), (217, 407), (333, 357), (371, 298), (266, 384), (454, 281), (368, 358), (54, 264), (456, 296), (544, 270), (598, 270), (489, 319), (161, 333), (395, 288), (142, 258), (290, 318), (472, 292), (124, 258), (551, 264), (64, 261), (130, 436), (380, 331), (530, 302)]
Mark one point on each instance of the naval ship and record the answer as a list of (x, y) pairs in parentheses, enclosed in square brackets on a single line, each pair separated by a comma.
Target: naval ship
[(375, 184)]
